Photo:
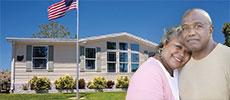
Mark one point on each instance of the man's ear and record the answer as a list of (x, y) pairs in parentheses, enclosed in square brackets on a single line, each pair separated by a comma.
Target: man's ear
[(211, 29)]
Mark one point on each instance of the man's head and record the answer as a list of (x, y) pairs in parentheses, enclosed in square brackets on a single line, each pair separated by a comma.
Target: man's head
[(197, 29)]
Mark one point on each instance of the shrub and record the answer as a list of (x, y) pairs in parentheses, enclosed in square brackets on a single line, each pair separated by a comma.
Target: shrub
[(65, 82), (81, 83), (25, 86), (110, 84), (122, 82), (98, 83), (32, 82), (5, 78), (39, 84)]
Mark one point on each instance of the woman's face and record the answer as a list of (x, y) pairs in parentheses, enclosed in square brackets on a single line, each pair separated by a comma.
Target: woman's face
[(175, 53)]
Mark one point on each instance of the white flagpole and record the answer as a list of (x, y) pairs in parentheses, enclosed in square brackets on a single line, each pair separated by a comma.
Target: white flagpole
[(77, 55)]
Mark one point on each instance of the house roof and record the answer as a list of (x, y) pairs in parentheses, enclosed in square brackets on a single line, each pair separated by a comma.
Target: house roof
[(82, 40)]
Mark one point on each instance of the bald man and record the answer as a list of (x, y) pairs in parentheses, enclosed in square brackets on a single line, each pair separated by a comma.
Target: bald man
[(207, 75)]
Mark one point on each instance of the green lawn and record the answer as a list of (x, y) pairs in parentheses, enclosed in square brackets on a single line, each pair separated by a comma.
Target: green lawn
[(65, 96)]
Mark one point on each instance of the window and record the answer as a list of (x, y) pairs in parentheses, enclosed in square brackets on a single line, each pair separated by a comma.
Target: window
[(111, 61), (151, 54), (134, 47), (123, 61), (134, 67), (123, 46), (146, 52), (40, 55), (121, 51), (134, 61), (135, 57), (90, 58), (111, 45)]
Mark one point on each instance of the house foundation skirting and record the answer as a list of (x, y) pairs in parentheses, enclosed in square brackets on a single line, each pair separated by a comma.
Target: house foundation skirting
[(19, 89)]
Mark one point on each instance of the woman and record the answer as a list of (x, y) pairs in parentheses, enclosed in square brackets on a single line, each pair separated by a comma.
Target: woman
[(157, 78)]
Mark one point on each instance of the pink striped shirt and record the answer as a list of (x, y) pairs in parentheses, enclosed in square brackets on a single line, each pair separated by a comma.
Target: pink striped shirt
[(149, 83)]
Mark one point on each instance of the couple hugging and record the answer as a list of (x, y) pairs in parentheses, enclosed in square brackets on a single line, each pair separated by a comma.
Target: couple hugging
[(189, 64)]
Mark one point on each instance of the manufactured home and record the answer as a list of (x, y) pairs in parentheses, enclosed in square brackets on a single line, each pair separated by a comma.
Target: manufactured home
[(110, 55)]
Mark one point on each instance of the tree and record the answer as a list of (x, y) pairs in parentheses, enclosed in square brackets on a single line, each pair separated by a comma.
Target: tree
[(226, 32), (52, 30)]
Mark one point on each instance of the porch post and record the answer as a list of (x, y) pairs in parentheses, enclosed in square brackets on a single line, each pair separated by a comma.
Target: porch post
[(12, 67)]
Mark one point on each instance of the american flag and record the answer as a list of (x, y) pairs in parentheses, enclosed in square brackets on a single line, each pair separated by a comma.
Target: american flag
[(59, 9)]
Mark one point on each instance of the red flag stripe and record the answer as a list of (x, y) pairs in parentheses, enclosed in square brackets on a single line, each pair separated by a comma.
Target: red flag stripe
[(57, 14), (59, 9), (57, 4), (72, 6), (56, 17)]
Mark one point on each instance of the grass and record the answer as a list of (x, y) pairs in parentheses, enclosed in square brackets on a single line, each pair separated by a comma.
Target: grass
[(65, 96)]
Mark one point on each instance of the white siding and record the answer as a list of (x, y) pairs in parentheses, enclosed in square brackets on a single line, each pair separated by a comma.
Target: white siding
[(65, 60)]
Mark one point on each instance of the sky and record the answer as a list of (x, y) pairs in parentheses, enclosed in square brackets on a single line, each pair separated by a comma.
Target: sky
[(144, 18)]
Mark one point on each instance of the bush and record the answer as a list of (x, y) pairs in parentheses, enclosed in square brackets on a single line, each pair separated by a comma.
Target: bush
[(110, 84), (5, 78), (98, 83), (39, 84), (81, 83), (122, 82), (25, 86), (65, 82), (32, 82)]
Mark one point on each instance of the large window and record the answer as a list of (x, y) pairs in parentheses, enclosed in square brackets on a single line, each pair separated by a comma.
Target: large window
[(122, 57), (123, 46), (123, 61), (134, 47), (111, 45), (90, 58), (134, 61), (111, 61), (40, 56)]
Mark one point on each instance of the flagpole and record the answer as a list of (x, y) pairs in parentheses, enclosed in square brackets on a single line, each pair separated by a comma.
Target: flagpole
[(77, 50)]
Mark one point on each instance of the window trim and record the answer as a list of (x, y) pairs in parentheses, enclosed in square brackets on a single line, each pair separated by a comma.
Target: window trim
[(134, 50), (32, 58), (107, 45), (124, 62), (134, 62), (111, 50), (118, 51), (90, 59), (114, 62), (119, 46)]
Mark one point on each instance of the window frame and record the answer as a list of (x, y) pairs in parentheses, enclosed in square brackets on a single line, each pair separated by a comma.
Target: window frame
[(112, 42), (47, 56), (118, 51), (111, 50), (125, 43), (124, 62), (134, 44), (135, 62), (111, 62), (95, 59)]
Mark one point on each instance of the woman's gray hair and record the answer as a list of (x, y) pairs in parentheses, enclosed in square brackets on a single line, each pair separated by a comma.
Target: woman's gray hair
[(168, 35)]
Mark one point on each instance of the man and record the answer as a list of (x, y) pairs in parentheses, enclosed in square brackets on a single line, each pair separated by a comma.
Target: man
[(207, 75)]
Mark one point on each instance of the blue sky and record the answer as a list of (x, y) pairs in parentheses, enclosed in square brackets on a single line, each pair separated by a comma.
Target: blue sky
[(143, 18)]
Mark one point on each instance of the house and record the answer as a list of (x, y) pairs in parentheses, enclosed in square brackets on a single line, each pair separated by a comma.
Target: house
[(110, 55)]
